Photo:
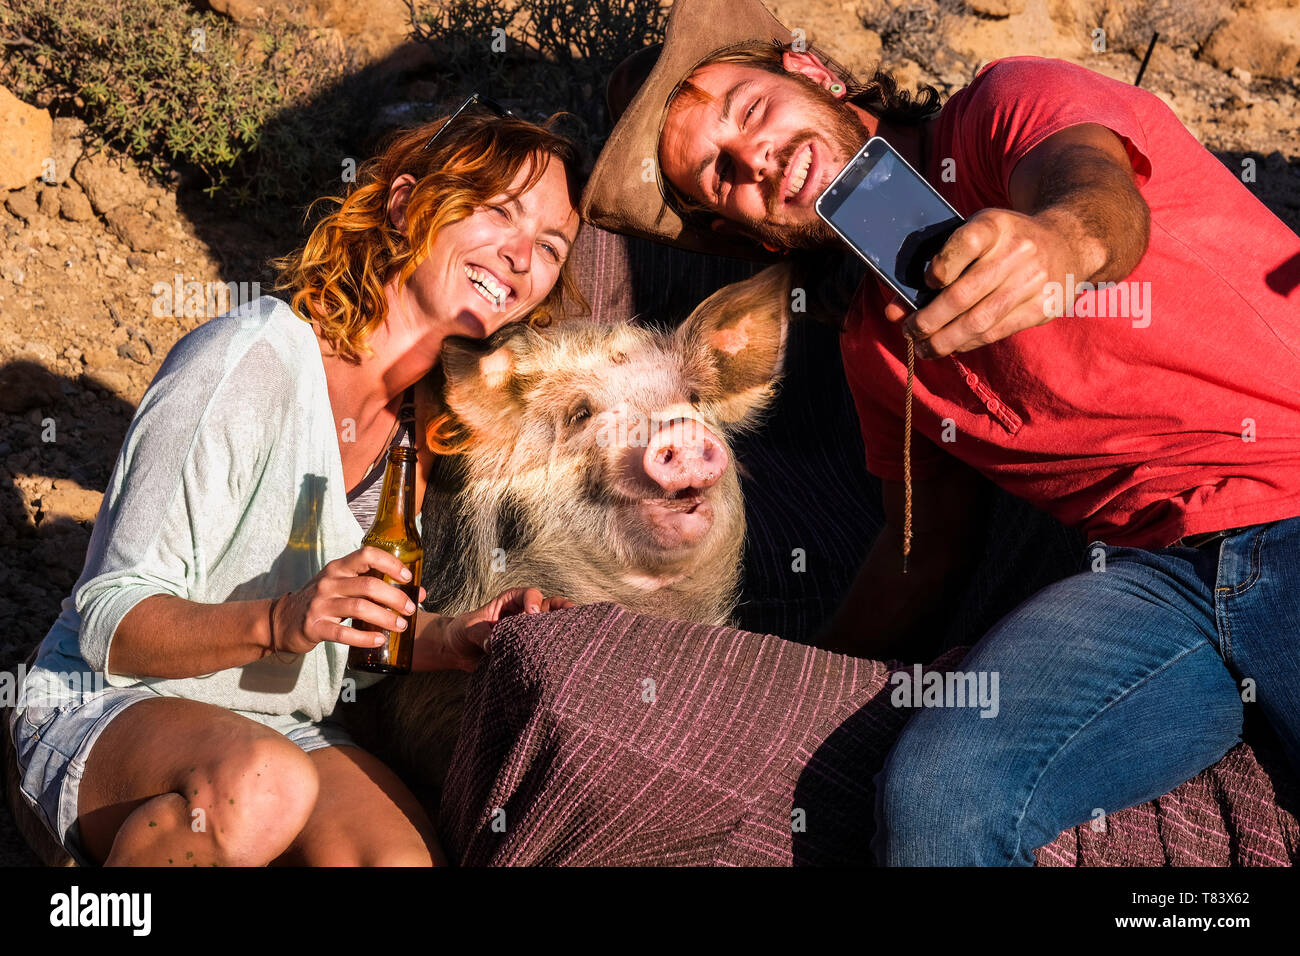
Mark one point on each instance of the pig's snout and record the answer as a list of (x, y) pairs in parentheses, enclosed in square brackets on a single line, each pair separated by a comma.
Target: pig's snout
[(684, 454)]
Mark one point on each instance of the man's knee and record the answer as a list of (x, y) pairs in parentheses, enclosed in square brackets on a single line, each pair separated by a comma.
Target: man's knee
[(937, 803)]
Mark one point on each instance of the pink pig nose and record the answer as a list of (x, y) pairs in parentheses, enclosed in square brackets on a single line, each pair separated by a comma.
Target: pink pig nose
[(685, 454)]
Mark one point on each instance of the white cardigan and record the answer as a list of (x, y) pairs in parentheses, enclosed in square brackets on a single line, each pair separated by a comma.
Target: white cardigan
[(211, 500)]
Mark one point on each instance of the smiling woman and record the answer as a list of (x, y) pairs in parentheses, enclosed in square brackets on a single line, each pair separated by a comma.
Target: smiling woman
[(226, 568), (448, 206)]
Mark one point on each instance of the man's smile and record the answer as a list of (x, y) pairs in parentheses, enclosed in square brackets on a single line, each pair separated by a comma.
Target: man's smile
[(797, 175)]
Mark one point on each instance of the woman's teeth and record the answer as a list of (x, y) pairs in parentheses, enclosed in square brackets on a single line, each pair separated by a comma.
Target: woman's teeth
[(801, 165), (486, 286)]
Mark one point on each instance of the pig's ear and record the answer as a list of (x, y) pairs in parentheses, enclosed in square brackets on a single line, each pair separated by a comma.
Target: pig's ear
[(486, 379), (740, 333)]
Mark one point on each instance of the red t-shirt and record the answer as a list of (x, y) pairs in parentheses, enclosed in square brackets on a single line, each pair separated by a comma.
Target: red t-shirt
[(1178, 416)]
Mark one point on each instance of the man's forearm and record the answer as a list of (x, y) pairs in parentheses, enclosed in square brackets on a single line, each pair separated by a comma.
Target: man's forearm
[(170, 637), (888, 614), (1096, 207)]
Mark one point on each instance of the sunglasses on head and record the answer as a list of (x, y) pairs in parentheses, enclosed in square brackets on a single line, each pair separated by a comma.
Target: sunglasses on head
[(474, 99)]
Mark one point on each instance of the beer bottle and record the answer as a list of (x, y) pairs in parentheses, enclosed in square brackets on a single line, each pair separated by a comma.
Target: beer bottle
[(394, 531)]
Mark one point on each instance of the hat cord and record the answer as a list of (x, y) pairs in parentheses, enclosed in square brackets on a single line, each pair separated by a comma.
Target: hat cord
[(907, 452)]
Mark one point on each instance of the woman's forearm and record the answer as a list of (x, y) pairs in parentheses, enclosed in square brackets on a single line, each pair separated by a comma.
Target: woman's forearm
[(430, 651), (170, 637)]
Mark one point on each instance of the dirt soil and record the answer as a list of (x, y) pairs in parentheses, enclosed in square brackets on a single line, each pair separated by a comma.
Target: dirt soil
[(81, 334)]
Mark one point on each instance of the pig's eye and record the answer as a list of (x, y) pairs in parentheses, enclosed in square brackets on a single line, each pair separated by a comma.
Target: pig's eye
[(693, 398), (577, 414)]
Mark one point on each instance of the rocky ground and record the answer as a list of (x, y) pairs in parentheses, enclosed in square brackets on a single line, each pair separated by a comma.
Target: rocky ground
[(90, 264)]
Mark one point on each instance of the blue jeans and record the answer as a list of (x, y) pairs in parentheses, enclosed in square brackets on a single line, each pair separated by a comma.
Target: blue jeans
[(1115, 685)]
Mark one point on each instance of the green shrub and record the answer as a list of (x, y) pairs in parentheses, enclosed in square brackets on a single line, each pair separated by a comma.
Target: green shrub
[(177, 87)]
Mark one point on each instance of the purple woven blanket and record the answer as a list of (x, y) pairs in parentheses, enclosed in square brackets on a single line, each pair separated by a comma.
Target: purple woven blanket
[(595, 736)]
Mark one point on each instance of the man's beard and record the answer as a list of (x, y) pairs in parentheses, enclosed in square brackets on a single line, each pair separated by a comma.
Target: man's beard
[(846, 134)]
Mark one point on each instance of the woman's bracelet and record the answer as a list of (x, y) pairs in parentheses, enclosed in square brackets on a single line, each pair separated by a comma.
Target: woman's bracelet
[(270, 614)]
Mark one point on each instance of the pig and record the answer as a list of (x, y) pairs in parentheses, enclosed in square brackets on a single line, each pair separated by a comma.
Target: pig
[(596, 466)]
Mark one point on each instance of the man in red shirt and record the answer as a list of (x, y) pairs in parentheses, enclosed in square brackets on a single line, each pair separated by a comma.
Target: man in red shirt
[(1116, 340)]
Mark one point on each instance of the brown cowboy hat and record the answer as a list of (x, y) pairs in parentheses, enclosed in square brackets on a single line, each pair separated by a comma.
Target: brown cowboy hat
[(624, 193)]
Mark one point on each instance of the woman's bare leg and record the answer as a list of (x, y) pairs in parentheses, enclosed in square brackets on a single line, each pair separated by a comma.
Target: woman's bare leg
[(364, 816), (178, 782)]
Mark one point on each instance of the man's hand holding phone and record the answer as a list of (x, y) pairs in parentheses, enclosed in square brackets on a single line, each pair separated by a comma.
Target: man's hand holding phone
[(986, 280), (992, 274)]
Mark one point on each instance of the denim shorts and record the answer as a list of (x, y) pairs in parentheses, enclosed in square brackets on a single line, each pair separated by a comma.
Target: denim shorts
[(53, 743)]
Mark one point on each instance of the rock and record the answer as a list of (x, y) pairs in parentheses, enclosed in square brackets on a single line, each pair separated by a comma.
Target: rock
[(98, 358), (40, 352), (67, 500), (25, 386), (139, 336), (59, 546), (136, 351), (1266, 42), (830, 25), (73, 204), (374, 31), (241, 11), (66, 147), (23, 204), (424, 91), (1240, 74), (136, 229), (1024, 27), (907, 74), (26, 139), (49, 201), (108, 184), (112, 379), (997, 8)]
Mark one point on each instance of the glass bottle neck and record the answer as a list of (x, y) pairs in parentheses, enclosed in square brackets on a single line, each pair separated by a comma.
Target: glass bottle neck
[(396, 509)]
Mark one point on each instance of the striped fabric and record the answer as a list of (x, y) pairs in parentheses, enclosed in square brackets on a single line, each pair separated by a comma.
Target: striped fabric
[(595, 736), (1237, 813)]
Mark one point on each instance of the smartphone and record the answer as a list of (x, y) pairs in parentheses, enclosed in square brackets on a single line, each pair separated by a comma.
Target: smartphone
[(895, 220)]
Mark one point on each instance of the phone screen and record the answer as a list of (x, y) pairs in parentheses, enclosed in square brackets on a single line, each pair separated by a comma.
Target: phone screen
[(891, 216)]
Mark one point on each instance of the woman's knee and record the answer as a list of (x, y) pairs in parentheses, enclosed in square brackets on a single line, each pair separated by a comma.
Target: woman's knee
[(349, 853), (253, 799)]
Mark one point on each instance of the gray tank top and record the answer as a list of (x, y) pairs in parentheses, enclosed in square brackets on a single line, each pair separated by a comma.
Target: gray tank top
[(363, 500)]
